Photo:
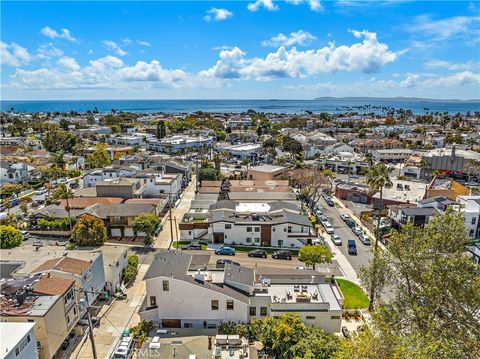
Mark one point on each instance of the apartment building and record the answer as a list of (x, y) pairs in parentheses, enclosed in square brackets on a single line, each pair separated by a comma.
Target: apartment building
[(184, 291), (49, 304), (276, 224), (179, 143), (18, 341)]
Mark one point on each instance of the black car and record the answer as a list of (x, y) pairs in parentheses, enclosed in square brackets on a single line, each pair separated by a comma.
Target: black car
[(192, 246), (74, 185), (282, 255), (351, 223), (65, 344), (221, 263), (258, 253)]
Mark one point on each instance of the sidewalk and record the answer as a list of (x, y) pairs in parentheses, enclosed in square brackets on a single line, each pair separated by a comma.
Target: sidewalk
[(164, 238), (122, 314)]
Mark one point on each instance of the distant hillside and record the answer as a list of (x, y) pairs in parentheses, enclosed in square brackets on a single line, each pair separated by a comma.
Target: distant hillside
[(390, 99)]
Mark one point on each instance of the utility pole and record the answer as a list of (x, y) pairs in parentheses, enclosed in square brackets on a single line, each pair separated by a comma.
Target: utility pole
[(90, 328), (171, 224)]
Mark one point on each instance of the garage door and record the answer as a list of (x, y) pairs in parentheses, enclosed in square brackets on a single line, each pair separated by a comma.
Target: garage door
[(171, 323), (116, 232), (129, 232)]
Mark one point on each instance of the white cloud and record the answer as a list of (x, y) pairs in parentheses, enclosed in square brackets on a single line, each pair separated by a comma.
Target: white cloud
[(112, 45), (68, 63), (48, 51), (153, 71), (299, 37), (314, 5), (215, 14), (267, 4), (144, 43), (452, 66), (54, 34), (442, 29), (367, 56), (13, 54)]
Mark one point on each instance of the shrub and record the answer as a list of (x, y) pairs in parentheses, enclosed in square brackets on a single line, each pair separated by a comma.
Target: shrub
[(10, 237), (89, 231)]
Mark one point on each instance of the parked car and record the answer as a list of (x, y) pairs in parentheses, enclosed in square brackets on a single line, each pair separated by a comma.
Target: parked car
[(41, 190), (221, 263), (38, 243), (74, 185), (65, 344), (357, 230), (282, 255), (35, 203), (328, 228), (192, 246), (336, 239), (352, 247), (351, 223), (344, 217), (225, 250), (323, 219), (329, 201), (14, 202), (25, 235), (364, 239), (258, 253)]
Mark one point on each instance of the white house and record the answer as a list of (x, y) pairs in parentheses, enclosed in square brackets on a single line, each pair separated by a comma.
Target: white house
[(179, 143), (15, 172), (470, 206), (91, 178), (242, 151), (18, 341), (158, 183), (185, 291), (273, 224)]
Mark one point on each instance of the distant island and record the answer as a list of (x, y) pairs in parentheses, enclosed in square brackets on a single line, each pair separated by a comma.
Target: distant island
[(391, 99)]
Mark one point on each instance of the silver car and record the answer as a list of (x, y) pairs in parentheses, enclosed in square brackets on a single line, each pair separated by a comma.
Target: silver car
[(336, 239), (364, 239), (357, 230)]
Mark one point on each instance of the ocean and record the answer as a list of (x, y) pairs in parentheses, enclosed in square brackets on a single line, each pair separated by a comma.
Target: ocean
[(331, 105)]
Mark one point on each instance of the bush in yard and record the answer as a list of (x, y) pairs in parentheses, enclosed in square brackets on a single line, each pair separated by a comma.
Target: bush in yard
[(89, 231), (130, 270), (146, 223), (10, 237)]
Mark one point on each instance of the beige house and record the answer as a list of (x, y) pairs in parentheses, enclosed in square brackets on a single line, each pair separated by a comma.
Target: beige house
[(266, 172), (47, 301)]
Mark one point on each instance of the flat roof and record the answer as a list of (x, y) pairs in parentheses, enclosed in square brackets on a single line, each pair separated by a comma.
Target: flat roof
[(414, 193), (252, 207), (267, 168), (11, 334)]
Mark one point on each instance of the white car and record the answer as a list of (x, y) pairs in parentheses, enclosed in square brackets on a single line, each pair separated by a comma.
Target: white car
[(357, 230), (329, 228), (25, 235), (41, 190), (336, 239)]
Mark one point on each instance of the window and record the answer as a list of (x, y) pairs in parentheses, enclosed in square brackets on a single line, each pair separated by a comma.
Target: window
[(249, 240), (257, 229), (189, 233), (229, 304), (289, 229), (310, 317), (214, 304), (249, 229), (257, 240), (263, 311), (30, 321), (228, 226), (253, 311), (273, 229), (474, 220), (284, 229), (166, 286), (335, 317), (187, 325), (471, 233), (153, 301), (280, 242)]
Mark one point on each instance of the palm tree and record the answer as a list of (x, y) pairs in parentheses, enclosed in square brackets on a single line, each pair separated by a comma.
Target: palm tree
[(63, 192), (378, 178)]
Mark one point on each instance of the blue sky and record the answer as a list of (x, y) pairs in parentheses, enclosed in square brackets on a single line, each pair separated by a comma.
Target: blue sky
[(296, 49)]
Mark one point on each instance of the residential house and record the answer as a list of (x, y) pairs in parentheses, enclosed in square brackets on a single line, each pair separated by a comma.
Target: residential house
[(470, 206), (157, 184), (121, 187), (179, 143), (91, 178), (184, 291), (242, 151), (391, 155), (446, 187), (18, 304), (18, 341), (15, 172), (266, 172)]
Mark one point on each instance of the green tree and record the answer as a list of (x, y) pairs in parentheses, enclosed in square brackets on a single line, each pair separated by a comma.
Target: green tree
[(433, 310), (377, 178), (207, 174), (59, 140), (89, 231), (10, 237), (146, 223), (292, 146), (331, 176), (313, 255), (161, 129), (63, 192), (100, 157)]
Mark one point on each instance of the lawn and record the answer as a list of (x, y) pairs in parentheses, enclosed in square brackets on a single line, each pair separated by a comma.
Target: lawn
[(354, 296)]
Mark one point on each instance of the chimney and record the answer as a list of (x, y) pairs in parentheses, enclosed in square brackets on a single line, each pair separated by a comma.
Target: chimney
[(20, 296)]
